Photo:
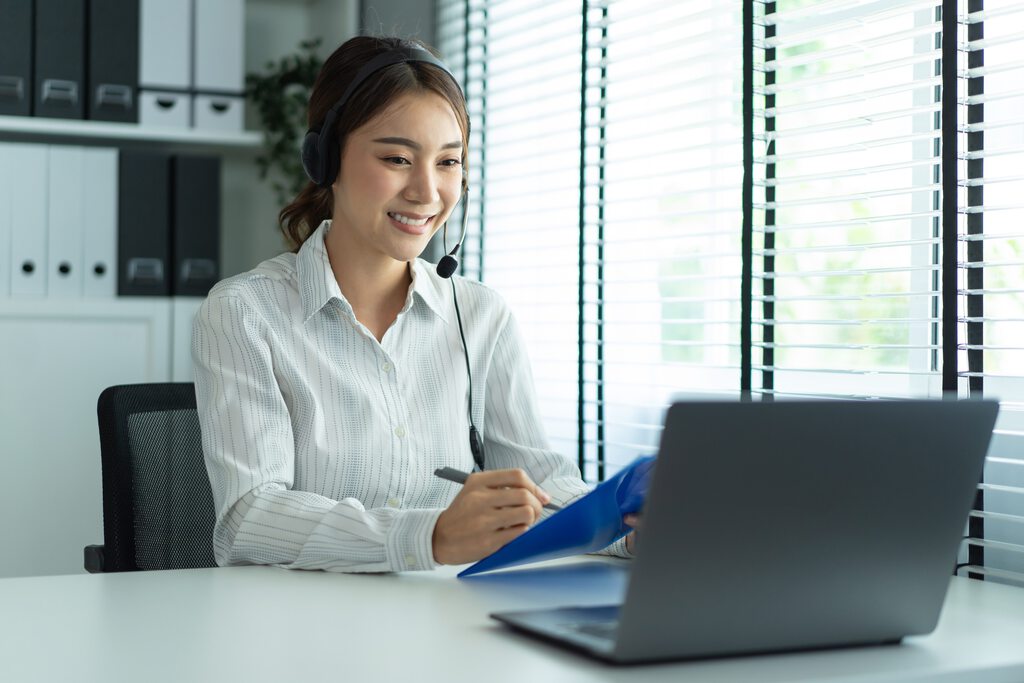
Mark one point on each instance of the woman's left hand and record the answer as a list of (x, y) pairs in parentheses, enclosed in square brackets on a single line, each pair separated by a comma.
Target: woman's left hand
[(631, 520)]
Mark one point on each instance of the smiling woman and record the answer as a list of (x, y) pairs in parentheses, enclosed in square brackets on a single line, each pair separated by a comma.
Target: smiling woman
[(329, 380)]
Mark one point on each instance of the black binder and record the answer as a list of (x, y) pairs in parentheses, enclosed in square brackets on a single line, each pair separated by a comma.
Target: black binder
[(60, 59), (196, 231), (15, 57), (143, 224), (114, 60)]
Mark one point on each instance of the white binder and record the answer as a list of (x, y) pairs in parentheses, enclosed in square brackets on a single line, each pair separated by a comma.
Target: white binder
[(163, 109), (99, 222), (28, 184), (5, 222), (165, 44), (221, 113), (66, 200), (220, 46)]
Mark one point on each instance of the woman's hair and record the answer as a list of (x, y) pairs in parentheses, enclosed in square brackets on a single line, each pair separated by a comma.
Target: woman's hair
[(314, 204)]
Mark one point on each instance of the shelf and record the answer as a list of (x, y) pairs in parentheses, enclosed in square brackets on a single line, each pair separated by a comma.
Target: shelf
[(29, 129)]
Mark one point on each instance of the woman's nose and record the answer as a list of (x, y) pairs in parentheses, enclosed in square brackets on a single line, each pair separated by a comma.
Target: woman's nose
[(422, 187)]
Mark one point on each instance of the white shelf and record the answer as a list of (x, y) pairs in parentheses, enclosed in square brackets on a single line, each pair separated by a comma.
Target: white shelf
[(31, 129)]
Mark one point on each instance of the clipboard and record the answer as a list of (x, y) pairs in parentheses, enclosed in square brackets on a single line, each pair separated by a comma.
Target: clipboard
[(588, 524)]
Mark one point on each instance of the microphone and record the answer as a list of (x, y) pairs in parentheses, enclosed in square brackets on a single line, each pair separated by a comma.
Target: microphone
[(448, 264)]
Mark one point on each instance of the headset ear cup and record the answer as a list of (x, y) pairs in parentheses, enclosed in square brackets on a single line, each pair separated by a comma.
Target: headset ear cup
[(311, 160), (329, 160)]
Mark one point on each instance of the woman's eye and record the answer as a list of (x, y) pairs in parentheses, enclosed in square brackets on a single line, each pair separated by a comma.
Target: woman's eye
[(451, 162), (398, 161)]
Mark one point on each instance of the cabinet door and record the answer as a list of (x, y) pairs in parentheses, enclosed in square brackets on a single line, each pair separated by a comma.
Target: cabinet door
[(55, 359)]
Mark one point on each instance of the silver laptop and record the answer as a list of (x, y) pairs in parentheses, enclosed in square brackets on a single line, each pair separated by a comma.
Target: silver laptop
[(789, 525)]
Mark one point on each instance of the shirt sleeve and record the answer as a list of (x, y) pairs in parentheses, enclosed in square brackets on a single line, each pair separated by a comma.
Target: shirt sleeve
[(250, 458), (513, 433)]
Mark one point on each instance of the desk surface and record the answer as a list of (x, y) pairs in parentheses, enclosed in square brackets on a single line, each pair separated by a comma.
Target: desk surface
[(270, 624)]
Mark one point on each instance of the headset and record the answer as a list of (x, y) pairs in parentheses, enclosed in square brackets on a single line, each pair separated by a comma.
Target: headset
[(321, 161)]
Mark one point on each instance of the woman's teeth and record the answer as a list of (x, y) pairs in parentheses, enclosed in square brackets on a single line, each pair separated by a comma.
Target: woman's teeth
[(408, 221)]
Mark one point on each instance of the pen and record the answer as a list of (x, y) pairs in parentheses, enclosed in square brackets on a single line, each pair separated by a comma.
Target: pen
[(459, 477)]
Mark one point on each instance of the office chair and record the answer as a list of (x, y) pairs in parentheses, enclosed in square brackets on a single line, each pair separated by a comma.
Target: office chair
[(157, 505)]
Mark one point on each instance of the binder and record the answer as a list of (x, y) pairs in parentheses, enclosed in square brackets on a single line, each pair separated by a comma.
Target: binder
[(5, 222), (587, 525), (196, 227), (220, 46), (143, 224), (27, 175), (113, 60), (165, 44), (219, 112), (60, 59), (164, 109), (65, 237), (99, 223), (16, 58)]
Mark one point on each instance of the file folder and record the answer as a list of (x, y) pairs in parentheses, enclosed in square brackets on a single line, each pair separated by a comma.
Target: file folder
[(27, 173), (196, 228), (16, 58), (219, 112), (66, 202), (143, 224), (164, 109), (587, 525), (165, 44), (60, 59), (114, 60), (220, 46), (99, 223), (5, 222)]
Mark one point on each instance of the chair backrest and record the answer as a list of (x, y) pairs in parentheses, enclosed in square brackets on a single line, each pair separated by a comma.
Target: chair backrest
[(157, 505)]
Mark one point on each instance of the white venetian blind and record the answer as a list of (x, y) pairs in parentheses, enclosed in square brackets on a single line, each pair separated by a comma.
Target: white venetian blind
[(991, 258), (846, 216), (610, 136)]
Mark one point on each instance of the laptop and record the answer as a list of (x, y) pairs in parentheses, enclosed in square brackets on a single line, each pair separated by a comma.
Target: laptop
[(789, 525)]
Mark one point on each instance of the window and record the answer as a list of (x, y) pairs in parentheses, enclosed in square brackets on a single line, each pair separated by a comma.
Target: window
[(790, 198)]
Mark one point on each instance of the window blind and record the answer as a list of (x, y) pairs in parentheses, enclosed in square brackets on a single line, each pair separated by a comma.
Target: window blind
[(847, 234), (612, 144), (991, 268), (791, 198)]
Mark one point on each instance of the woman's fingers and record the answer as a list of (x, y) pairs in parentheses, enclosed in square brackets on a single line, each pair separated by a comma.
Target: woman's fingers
[(492, 508)]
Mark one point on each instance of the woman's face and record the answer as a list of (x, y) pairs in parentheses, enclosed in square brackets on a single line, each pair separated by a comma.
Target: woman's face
[(400, 178)]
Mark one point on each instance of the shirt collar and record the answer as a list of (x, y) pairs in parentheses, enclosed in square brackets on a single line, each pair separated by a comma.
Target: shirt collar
[(318, 286), (430, 287)]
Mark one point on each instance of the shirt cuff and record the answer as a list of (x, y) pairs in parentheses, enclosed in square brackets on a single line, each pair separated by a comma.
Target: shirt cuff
[(410, 541), (616, 549)]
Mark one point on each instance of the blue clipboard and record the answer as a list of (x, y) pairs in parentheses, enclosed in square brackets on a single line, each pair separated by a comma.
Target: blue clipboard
[(588, 524)]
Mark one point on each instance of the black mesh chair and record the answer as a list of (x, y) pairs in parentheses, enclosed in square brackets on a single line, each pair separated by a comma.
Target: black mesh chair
[(157, 506)]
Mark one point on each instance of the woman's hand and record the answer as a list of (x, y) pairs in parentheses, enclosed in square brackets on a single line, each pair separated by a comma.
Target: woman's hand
[(633, 521), (492, 508)]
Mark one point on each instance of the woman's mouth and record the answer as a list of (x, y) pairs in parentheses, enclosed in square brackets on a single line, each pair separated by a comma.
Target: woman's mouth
[(412, 224)]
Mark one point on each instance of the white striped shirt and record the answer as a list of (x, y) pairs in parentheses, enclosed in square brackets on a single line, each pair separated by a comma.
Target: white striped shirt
[(321, 442)]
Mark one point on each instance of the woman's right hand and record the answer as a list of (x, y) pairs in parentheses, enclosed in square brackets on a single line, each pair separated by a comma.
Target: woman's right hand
[(492, 508)]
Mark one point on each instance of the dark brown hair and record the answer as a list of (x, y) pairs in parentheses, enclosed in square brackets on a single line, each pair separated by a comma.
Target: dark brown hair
[(314, 204)]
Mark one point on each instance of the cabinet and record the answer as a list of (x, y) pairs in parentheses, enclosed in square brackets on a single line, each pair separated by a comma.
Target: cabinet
[(57, 355)]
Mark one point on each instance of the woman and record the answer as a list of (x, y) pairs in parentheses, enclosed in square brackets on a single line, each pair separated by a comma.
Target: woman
[(331, 381)]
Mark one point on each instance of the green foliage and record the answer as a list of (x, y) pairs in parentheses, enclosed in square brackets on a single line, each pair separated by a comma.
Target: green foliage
[(280, 96)]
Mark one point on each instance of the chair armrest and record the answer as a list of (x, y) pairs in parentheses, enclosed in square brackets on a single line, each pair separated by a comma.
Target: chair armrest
[(94, 559)]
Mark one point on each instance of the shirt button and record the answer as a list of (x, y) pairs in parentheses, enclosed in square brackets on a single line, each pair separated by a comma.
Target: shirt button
[(410, 561), (400, 431), (386, 367), (393, 502)]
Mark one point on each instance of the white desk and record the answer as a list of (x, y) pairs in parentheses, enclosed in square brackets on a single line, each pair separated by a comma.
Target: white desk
[(267, 624)]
